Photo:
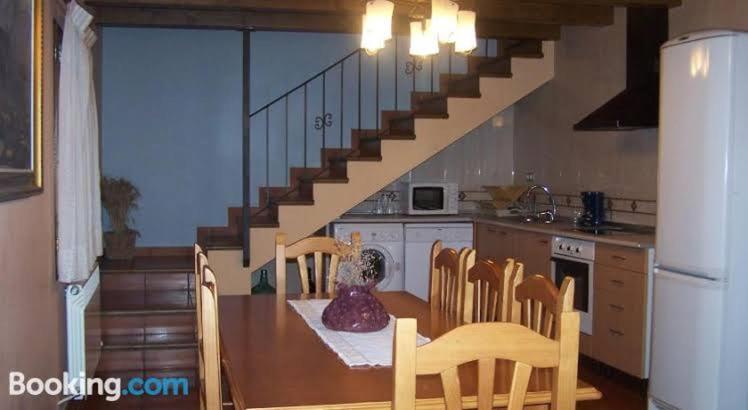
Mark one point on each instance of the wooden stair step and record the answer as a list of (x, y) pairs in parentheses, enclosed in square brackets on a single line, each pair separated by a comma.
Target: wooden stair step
[(345, 155), (298, 195), (149, 264), (460, 85), (138, 300), (145, 326), (499, 67), (191, 401), (173, 341), (150, 358), (214, 240), (428, 103), (147, 281), (523, 48)]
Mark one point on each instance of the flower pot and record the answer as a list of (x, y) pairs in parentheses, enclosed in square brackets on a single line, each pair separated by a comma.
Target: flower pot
[(355, 309), (119, 245)]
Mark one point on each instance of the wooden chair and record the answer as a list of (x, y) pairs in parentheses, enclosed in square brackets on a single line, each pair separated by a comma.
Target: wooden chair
[(487, 290), (319, 246), (484, 343), (201, 261), (447, 278), (537, 303), (208, 345)]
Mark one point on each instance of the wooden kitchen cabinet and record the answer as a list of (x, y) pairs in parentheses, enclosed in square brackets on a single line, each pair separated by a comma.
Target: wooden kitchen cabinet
[(494, 242), (534, 250), (531, 248), (620, 300)]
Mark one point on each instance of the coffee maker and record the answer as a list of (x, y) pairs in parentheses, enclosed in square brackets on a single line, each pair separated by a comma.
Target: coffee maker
[(593, 216)]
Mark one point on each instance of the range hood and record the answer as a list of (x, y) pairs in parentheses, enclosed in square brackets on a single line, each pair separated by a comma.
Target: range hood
[(637, 106)]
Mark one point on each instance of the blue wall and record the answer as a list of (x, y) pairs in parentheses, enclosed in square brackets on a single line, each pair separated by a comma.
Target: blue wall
[(171, 122)]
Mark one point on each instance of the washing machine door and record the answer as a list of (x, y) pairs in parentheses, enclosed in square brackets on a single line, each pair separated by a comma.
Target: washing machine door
[(383, 267)]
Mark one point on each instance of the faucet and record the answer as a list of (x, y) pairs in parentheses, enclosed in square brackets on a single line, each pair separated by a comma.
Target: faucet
[(549, 215)]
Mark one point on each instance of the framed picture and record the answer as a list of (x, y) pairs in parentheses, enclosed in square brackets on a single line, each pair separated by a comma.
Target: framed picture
[(20, 98)]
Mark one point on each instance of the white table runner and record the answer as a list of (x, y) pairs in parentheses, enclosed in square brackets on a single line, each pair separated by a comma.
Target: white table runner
[(355, 349)]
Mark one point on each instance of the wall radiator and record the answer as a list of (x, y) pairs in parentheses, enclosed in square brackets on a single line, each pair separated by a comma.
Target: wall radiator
[(84, 327)]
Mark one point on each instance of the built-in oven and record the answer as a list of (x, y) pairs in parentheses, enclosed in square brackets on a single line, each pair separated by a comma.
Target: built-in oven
[(575, 258)]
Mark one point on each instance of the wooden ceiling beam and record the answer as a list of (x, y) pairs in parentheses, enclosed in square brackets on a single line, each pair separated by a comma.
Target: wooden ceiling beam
[(609, 3), (310, 22), (499, 10)]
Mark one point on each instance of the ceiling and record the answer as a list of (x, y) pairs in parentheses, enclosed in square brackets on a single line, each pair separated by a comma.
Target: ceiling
[(539, 19)]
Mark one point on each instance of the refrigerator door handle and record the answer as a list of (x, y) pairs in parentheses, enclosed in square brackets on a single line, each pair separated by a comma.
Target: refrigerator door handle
[(701, 281)]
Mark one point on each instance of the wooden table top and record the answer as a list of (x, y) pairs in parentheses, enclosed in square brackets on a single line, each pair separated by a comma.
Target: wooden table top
[(277, 361)]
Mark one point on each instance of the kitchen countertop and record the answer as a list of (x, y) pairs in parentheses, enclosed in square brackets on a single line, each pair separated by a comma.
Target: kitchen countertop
[(562, 227)]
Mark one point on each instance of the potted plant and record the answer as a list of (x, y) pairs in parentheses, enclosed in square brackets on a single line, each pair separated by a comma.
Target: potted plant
[(119, 197)]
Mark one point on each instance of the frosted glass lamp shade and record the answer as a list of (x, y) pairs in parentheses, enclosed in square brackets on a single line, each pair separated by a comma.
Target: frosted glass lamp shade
[(371, 40), (377, 25), (444, 19), (465, 41), (423, 39)]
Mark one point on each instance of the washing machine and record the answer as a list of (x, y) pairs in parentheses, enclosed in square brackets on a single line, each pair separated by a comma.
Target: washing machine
[(385, 242)]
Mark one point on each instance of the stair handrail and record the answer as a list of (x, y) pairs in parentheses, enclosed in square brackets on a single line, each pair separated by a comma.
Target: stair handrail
[(307, 81)]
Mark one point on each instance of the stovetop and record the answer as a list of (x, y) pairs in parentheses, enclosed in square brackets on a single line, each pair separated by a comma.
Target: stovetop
[(613, 229)]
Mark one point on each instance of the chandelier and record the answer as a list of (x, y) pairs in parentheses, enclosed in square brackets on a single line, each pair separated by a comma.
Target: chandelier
[(447, 25)]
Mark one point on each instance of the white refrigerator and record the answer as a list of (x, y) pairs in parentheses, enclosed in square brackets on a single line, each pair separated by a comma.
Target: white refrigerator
[(700, 315)]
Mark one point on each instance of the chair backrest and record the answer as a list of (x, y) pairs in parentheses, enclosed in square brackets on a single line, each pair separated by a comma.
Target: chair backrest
[(318, 246), (209, 345), (484, 343), (447, 277), (487, 291), (537, 303)]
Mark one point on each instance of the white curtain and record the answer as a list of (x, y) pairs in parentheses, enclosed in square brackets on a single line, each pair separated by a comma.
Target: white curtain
[(78, 192)]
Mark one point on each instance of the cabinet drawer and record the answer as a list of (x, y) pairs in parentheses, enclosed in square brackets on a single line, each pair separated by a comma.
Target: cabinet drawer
[(621, 257), (620, 281), (619, 331)]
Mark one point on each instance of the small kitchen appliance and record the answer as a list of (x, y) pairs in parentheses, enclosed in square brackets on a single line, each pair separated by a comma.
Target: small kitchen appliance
[(594, 209), (430, 198)]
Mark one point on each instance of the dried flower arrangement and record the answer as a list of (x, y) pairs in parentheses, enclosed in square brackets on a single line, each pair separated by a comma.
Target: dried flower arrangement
[(356, 268), (119, 197)]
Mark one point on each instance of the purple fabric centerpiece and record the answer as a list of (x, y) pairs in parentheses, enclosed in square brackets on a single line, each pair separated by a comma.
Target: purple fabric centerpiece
[(355, 309)]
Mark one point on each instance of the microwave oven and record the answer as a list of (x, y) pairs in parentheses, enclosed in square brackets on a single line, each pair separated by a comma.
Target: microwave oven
[(427, 198)]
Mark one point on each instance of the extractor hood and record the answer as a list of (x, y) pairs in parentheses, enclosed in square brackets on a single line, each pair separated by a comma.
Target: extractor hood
[(637, 106)]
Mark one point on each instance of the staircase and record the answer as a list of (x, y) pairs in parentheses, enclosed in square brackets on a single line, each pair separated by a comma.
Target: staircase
[(449, 106), (148, 328)]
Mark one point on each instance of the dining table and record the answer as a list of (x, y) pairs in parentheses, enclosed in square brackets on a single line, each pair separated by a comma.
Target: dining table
[(274, 360)]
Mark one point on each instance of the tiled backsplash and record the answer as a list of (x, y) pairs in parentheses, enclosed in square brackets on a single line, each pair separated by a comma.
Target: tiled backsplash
[(620, 210), (485, 156), (589, 70)]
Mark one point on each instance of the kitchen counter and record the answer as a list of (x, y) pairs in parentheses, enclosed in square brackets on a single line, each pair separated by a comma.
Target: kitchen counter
[(562, 227), (565, 227), (405, 219)]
